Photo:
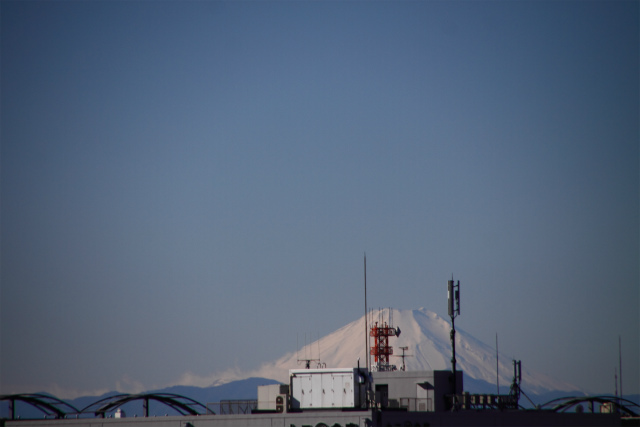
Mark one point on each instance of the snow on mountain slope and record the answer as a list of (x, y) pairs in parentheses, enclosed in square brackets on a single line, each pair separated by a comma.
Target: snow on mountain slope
[(427, 336)]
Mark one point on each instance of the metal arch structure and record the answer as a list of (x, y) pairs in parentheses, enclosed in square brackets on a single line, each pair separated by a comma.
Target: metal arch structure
[(182, 404), (49, 405), (618, 404)]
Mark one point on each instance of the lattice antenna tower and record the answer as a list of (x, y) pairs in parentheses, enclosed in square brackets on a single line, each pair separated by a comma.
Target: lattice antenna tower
[(381, 350)]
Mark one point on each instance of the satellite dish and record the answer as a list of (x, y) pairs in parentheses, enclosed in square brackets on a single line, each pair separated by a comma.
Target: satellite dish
[(398, 331)]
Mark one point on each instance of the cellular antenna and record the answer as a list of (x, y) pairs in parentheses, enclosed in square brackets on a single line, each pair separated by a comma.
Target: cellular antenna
[(454, 311)]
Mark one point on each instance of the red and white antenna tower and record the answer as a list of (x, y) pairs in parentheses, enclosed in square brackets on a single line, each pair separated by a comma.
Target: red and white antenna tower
[(381, 350)]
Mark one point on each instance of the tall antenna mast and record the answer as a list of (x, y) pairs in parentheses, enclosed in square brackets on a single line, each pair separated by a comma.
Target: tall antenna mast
[(620, 356), (454, 310), (366, 324), (497, 366)]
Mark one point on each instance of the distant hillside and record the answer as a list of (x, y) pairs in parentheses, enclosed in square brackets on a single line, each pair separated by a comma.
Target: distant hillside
[(246, 389), (237, 390)]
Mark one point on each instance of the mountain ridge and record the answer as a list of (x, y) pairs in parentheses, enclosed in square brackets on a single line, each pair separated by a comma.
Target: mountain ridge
[(427, 336)]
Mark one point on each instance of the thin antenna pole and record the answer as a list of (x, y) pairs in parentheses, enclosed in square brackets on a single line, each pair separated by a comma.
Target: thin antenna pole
[(497, 366), (454, 310), (620, 356), (366, 324)]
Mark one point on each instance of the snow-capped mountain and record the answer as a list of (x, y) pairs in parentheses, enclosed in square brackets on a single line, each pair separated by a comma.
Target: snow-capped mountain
[(426, 335)]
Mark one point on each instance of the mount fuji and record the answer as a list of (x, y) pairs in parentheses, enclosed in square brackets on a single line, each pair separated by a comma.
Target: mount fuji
[(426, 334)]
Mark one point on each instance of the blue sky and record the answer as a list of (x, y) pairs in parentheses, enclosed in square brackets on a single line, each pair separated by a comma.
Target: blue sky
[(189, 186)]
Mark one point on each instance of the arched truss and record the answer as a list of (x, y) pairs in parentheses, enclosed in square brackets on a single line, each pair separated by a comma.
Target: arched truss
[(183, 405), (618, 404), (49, 405)]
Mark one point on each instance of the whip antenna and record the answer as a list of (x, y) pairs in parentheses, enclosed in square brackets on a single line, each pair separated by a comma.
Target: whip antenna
[(366, 325)]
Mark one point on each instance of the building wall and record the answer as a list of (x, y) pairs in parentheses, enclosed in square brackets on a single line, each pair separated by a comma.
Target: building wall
[(326, 388), (495, 418), (416, 390), (343, 419), (301, 419)]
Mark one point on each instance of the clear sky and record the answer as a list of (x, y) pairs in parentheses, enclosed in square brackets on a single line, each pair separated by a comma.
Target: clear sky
[(189, 186)]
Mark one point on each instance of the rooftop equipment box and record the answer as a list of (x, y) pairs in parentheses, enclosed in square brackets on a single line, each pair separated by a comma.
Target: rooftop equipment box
[(326, 388), (272, 397)]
